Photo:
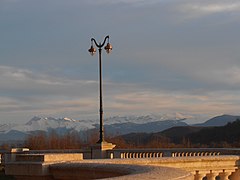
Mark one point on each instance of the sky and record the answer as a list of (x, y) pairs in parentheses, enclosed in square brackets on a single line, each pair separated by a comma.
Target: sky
[(168, 56)]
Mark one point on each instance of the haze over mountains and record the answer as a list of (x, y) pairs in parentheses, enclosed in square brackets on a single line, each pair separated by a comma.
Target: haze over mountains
[(113, 125)]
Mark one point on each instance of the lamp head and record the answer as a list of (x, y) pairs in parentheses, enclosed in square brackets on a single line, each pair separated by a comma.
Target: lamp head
[(108, 48), (92, 50)]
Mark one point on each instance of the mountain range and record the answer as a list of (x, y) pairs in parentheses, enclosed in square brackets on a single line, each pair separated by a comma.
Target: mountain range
[(226, 136), (113, 126)]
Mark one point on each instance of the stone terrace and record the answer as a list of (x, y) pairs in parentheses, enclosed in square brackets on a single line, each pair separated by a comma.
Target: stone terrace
[(182, 164)]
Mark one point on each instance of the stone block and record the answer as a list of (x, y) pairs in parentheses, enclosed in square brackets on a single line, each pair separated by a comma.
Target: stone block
[(29, 169), (38, 164), (49, 157)]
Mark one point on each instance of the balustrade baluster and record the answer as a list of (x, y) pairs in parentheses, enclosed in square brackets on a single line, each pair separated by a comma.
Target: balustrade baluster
[(224, 175), (198, 176), (211, 175)]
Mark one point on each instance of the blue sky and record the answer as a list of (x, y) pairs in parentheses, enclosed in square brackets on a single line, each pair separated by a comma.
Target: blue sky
[(168, 56)]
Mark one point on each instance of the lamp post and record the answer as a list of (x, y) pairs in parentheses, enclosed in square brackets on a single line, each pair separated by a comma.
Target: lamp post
[(92, 51)]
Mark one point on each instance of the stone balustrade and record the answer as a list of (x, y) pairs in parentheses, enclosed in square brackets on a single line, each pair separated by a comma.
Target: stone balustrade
[(191, 168), (207, 167), (174, 152), (202, 164)]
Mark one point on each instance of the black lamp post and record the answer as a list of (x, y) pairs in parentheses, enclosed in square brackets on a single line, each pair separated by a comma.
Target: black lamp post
[(92, 51)]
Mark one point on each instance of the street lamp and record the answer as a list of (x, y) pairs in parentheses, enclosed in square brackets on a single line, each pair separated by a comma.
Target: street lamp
[(92, 51)]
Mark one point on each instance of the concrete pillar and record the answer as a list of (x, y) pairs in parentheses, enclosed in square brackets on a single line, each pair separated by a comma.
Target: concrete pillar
[(224, 175), (15, 151), (211, 175), (198, 176), (99, 151)]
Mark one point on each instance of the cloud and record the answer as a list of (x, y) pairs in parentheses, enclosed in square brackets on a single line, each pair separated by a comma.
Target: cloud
[(23, 87), (17, 78), (33, 94), (229, 76), (197, 9), (143, 102), (157, 64)]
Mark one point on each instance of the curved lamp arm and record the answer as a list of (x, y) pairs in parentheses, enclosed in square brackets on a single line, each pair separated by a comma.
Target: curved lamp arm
[(100, 45), (108, 47)]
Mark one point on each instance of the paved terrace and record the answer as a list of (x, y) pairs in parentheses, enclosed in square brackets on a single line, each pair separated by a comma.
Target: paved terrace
[(193, 164)]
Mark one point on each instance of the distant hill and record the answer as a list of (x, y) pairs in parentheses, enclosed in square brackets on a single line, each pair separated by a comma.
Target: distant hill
[(229, 133), (148, 127), (176, 134), (219, 136), (219, 120)]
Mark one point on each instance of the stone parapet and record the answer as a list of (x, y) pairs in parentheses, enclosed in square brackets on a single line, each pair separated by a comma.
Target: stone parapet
[(71, 166), (37, 165)]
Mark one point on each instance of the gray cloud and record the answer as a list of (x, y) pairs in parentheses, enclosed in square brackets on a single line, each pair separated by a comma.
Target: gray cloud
[(167, 56), (198, 9)]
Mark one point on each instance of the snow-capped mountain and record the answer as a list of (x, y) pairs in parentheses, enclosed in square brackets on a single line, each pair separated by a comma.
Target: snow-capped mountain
[(6, 127), (117, 124), (113, 125), (46, 123), (151, 118)]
